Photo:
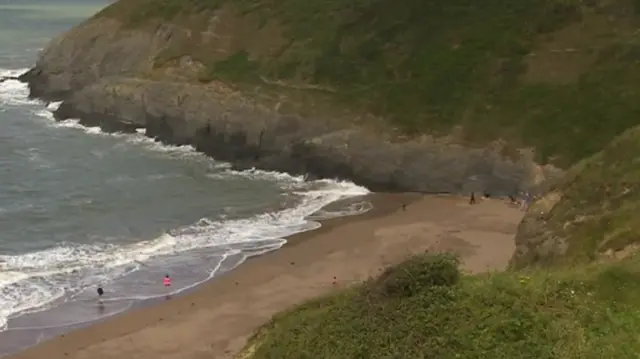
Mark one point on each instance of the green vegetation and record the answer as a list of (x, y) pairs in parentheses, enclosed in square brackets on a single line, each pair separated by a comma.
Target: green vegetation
[(237, 67), (557, 75), (137, 13), (593, 210), (560, 76), (424, 308), (582, 305)]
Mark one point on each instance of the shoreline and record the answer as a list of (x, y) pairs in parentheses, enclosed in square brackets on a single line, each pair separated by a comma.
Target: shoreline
[(31, 337), (216, 318), (23, 336), (382, 204)]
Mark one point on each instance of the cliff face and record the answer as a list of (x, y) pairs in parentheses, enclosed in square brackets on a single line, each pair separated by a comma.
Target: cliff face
[(105, 75), (232, 128), (590, 214), (95, 49), (265, 84)]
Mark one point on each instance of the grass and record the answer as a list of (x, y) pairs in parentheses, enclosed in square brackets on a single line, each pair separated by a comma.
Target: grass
[(424, 308), (429, 66), (557, 75), (595, 208), (558, 301), (137, 13), (237, 67)]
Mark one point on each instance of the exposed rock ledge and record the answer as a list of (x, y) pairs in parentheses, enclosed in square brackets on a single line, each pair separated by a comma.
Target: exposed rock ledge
[(7, 78), (93, 69), (231, 128)]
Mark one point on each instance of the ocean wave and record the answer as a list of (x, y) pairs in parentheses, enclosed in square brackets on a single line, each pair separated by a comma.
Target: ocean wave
[(13, 72), (140, 140), (350, 209), (36, 279), (14, 92), (39, 280)]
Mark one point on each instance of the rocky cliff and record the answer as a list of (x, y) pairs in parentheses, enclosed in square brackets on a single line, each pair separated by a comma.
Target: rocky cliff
[(387, 94), (590, 214), (229, 127)]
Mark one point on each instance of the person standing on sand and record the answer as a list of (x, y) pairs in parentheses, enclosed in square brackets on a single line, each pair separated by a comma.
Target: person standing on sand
[(526, 202), (472, 199)]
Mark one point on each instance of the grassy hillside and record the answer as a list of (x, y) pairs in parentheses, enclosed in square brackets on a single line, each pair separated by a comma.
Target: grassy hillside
[(591, 212), (424, 308), (572, 291), (559, 75)]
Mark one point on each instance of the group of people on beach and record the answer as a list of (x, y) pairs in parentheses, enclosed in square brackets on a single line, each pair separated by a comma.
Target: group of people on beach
[(166, 281), (472, 198), (524, 201)]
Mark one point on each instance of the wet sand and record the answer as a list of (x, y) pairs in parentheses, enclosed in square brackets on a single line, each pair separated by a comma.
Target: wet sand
[(215, 320)]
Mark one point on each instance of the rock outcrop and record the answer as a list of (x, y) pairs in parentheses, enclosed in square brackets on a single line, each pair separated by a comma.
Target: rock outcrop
[(104, 74), (7, 78), (93, 50), (588, 214), (232, 128)]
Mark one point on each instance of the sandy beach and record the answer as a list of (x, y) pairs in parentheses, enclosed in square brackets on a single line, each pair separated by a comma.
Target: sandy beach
[(215, 320)]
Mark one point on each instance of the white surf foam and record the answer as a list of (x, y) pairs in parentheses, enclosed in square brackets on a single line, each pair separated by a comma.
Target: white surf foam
[(12, 72), (54, 106), (36, 280), (139, 139), (351, 209), (14, 92)]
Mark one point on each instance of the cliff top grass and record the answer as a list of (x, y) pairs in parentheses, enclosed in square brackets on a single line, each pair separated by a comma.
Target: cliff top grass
[(591, 212), (424, 308), (564, 298), (557, 75)]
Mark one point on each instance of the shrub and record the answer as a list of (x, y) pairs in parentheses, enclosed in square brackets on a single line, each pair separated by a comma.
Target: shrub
[(418, 273)]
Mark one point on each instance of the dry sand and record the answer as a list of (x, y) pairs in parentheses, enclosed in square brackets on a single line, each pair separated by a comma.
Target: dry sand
[(216, 320)]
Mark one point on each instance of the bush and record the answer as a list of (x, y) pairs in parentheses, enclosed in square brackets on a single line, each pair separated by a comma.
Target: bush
[(567, 313), (418, 273)]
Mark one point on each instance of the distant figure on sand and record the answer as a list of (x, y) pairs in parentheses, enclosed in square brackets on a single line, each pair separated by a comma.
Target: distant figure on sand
[(526, 201), (472, 199)]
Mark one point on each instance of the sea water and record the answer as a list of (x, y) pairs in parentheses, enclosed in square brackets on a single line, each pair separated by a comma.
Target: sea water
[(81, 208)]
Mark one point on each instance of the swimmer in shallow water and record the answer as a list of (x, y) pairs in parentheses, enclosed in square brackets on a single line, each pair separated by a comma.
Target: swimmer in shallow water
[(100, 294)]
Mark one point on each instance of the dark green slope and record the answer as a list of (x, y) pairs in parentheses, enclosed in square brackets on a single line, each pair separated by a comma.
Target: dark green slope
[(557, 75)]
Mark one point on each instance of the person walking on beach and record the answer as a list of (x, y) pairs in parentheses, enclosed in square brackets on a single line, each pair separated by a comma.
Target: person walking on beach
[(167, 286), (472, 199)]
